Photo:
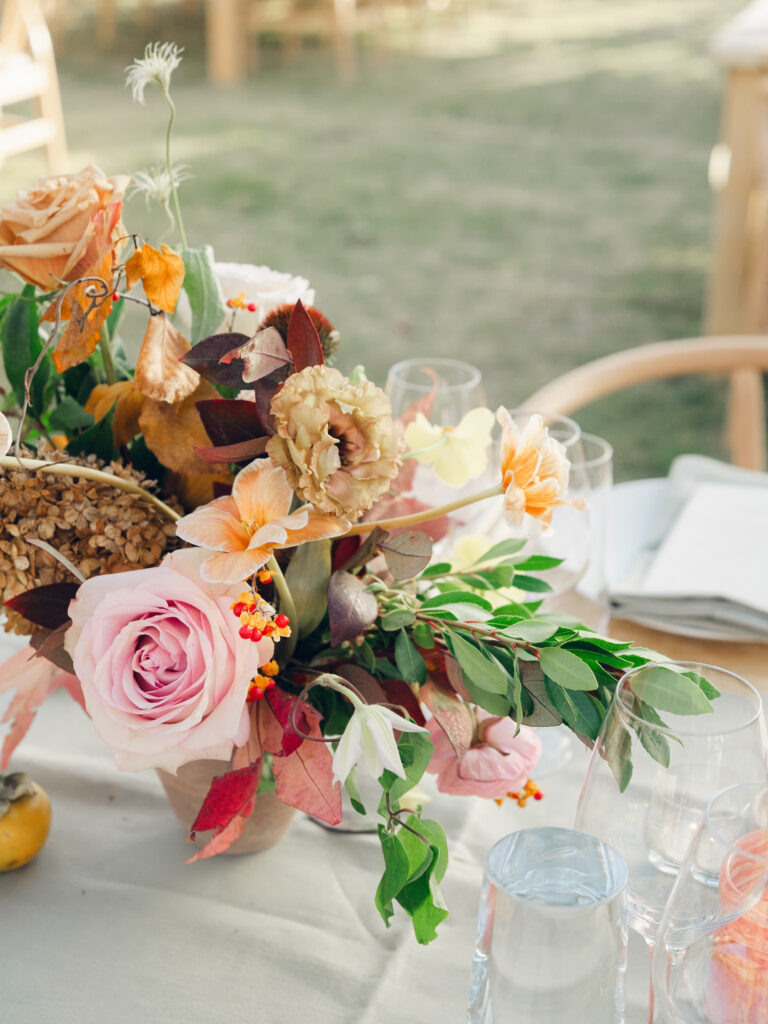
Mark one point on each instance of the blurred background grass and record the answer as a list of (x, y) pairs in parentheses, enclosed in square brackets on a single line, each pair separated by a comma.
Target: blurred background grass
[(525, 188)]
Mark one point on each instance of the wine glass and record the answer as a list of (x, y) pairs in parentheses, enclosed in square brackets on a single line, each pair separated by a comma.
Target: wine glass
[(715, 924), (655, 765), (443, 389)]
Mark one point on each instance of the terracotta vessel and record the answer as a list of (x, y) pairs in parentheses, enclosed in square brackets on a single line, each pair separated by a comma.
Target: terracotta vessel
[(187, 789)]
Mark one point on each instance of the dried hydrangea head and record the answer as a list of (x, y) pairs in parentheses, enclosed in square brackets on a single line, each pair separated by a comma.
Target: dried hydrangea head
[(98, 528), (335, 440)]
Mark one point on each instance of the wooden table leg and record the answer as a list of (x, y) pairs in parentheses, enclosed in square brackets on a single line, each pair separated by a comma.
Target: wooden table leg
[(225, 28)]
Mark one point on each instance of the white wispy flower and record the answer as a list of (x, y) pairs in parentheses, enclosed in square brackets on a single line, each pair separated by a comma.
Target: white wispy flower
[(158, 184), (157, 65), (369, 739)]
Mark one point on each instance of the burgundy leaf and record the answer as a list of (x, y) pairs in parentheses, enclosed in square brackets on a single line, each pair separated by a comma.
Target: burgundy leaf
[(227, 796), (230, 420), (343, 551), (221, 489), (406, 554), (370, 687), (46, 606), (50, 645), (399, 693), (351, 607), (451, 714), (242, 451), (303, 340), (205, 356), (282, 704), (261, 354)]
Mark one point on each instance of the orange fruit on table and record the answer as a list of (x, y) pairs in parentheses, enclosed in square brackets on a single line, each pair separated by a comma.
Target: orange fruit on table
[(25, 817)]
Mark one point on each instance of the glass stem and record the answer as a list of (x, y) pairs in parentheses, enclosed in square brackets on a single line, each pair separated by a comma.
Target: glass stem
[(651, 994)]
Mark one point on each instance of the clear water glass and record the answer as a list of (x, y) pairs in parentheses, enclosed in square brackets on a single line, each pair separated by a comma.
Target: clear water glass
[(551, 933), (715, 925), (451, 387)]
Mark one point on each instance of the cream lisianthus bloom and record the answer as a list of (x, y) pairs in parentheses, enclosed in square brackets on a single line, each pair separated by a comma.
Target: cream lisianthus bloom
[(457, 454), (369, 738)]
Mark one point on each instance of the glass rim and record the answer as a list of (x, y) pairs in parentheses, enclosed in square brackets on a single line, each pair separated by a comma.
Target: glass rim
[(618, 863), (396, 371), (725, 839), (665, 730), (606, 454)]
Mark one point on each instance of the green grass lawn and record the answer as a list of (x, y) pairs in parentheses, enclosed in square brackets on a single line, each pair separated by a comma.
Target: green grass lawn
[(526, 191)]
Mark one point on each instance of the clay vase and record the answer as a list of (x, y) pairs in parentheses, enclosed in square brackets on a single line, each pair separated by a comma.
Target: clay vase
[(187, 789)]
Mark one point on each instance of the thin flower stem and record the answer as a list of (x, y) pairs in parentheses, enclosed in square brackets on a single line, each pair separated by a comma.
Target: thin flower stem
[(106, 355), (287, 607), (169, 165), (88, 473), (423, 517), (416, 452)]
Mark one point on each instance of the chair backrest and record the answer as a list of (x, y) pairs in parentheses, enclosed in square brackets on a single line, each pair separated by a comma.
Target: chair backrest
[(743, 357)]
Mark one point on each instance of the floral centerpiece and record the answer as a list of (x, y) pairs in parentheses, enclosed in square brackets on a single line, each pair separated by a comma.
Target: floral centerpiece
[(213, 547)]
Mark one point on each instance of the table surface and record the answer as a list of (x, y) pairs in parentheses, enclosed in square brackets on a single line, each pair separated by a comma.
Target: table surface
[(108, 924)]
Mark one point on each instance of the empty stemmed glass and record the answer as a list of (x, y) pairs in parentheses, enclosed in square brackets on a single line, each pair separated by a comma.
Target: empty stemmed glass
[(650, 777), (715, 924)]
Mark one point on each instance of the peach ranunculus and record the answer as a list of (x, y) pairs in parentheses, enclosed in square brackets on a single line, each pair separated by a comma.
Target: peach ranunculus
[(497, 763), (534, 470), (335, 440), (242, 530), (164, 671), (63, 227)]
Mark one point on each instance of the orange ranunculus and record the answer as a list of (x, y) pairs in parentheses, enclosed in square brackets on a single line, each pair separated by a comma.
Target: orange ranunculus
[(534, 470), (60, 229), (242, 530)]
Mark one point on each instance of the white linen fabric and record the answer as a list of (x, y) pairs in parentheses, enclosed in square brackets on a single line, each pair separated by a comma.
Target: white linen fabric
[(108, 924)]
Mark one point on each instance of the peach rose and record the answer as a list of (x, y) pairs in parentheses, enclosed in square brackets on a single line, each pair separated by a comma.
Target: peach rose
[(61, 228), (163, 669)]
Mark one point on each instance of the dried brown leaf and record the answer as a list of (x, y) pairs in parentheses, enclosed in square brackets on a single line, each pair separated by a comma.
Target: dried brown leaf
[(160, 374)]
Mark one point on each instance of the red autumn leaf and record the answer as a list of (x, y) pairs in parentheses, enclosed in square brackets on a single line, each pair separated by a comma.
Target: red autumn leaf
[(303, 341), (450, 713), (227, 796), (230, 420), (241, 451), (224, 838), (46, 606), (399, 693), (34, 679), (343, 551), (282, 706), (304, 779)]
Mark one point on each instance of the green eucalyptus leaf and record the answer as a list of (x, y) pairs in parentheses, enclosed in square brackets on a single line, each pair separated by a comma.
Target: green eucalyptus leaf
[(483, 671), (396, 871), (617, 747), (537, 563), (423, 636), (409, 661), (531, 630), (96, 440), (567, 669), (69, 415), (504, 549), (203, 292), (577, 709), (307, 576), (451, 597), (668, 690), (531, 584), (397, 619)]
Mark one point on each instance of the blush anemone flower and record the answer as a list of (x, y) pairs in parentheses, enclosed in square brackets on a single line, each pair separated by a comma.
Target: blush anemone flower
[(498, 762), (242, 530), (534, 470), (457, 454)]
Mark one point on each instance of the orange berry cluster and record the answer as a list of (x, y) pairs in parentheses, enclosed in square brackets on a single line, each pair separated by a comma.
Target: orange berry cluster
[(263, 681), (521, 797), (257, 620), (240, 303)]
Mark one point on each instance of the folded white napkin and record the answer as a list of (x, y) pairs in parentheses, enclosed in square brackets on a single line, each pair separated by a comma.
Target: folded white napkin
[(702, 567)]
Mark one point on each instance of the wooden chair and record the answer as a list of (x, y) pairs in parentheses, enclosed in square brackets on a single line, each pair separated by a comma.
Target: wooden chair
[(724, 355), (28, 72)]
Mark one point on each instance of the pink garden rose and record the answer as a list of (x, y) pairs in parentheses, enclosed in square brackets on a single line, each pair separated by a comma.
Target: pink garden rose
[(497, 763), (163, 669)]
